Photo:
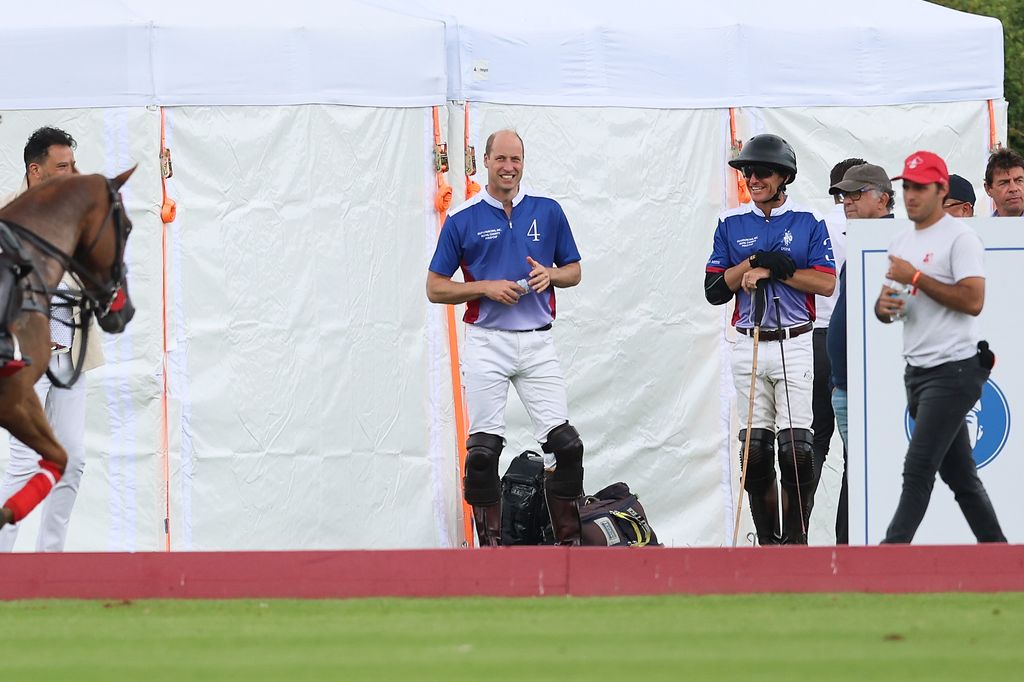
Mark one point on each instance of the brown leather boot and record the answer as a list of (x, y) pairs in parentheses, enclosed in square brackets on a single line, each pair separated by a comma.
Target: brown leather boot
[(488, 524), (565, 519)]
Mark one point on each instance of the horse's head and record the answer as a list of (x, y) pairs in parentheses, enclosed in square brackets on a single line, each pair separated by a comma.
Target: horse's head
[(101, 252)]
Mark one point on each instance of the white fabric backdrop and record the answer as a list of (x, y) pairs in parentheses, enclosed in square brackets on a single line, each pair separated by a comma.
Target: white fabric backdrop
[(310, 391), (302, 307), (300, 414)]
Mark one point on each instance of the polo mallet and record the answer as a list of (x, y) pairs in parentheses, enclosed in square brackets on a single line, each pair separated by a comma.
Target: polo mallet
[(789, 412), (759, 300)]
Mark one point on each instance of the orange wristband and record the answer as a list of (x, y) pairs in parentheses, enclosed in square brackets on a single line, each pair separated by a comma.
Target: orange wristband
[(913, 280)]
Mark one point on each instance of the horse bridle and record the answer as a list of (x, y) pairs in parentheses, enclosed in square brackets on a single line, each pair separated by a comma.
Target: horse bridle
[(104, 296), (96, 297)]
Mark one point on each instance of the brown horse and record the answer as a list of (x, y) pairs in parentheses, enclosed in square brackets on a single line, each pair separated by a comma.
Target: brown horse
[(75, 223)]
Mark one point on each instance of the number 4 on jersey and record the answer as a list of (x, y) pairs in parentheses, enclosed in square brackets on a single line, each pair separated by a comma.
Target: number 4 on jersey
[(533, 231)]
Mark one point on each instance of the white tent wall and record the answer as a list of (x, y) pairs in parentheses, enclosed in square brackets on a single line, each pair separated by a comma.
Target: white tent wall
[(305, 370), (646, 358), (823, 136), (120, 504), (307, 402), (309, 407), (640, 348)]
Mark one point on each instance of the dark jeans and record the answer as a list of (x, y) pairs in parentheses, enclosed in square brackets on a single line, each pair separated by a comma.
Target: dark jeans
[(938, 399), (839, 406)]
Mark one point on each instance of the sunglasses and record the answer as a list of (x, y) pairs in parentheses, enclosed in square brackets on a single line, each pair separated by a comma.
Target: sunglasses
[(763, 172), (854, 196), (953, 204)]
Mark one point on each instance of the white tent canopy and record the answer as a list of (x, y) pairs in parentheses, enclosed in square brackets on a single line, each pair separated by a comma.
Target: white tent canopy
[(187, 52), (695, 54)]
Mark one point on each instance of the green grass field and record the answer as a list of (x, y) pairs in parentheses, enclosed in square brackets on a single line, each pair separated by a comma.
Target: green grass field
[(759, 637)]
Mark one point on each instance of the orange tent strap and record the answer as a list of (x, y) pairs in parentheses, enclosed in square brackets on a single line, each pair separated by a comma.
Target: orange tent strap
[(167, 213), (993, 135), (442, 200), (168, 209)]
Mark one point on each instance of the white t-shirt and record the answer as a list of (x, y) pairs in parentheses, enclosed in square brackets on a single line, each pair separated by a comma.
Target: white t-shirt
[(947, 251), (835, 221)]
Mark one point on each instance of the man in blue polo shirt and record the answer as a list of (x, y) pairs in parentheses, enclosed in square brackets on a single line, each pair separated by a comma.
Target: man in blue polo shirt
[(776, 249), (514, 250)]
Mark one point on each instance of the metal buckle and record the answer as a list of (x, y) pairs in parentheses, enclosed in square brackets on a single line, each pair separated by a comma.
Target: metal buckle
[(441, 158), (166, 169)]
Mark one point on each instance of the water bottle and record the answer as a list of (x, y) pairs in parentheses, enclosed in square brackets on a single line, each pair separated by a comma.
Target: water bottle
[(902, 292)]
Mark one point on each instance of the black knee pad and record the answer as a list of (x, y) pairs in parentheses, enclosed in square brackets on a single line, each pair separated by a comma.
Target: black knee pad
[(760, 461), (565, 444), (803, 456), (481, 486)]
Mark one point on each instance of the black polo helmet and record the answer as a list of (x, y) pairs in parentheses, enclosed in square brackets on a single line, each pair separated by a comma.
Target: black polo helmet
[(767, 150)]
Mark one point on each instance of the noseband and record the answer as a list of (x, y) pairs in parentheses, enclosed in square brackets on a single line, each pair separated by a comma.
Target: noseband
[(108, 296)]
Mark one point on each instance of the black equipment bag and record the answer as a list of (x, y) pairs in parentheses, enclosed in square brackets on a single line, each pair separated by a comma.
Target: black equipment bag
[(524, 513), (614, 517)]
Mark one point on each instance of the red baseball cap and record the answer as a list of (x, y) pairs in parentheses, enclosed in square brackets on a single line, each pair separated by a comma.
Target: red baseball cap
[(924, 168)]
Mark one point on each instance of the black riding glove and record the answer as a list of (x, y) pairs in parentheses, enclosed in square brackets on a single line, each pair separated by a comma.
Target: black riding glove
[(779, 264)]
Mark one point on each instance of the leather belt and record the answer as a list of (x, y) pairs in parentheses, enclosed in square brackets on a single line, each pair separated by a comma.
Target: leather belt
[(775, 334), (545, 328)]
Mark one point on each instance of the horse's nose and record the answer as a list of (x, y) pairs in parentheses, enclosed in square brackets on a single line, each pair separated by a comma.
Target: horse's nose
[(115, 322)]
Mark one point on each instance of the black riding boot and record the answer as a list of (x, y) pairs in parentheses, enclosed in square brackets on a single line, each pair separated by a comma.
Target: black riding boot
[(794, 519), (764, 510), (796, 462)]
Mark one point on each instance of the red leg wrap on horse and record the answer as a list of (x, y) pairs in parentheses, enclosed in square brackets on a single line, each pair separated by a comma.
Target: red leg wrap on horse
[(37, 488)]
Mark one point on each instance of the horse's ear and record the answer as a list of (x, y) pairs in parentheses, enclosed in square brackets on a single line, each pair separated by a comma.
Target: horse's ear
[(123, 177)]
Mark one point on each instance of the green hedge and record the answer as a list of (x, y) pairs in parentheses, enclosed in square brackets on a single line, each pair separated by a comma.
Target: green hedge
[(1011, 13)]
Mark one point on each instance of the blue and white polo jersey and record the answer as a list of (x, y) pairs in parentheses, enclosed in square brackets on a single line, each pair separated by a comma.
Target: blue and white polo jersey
[(480, 238), (791, 229)]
